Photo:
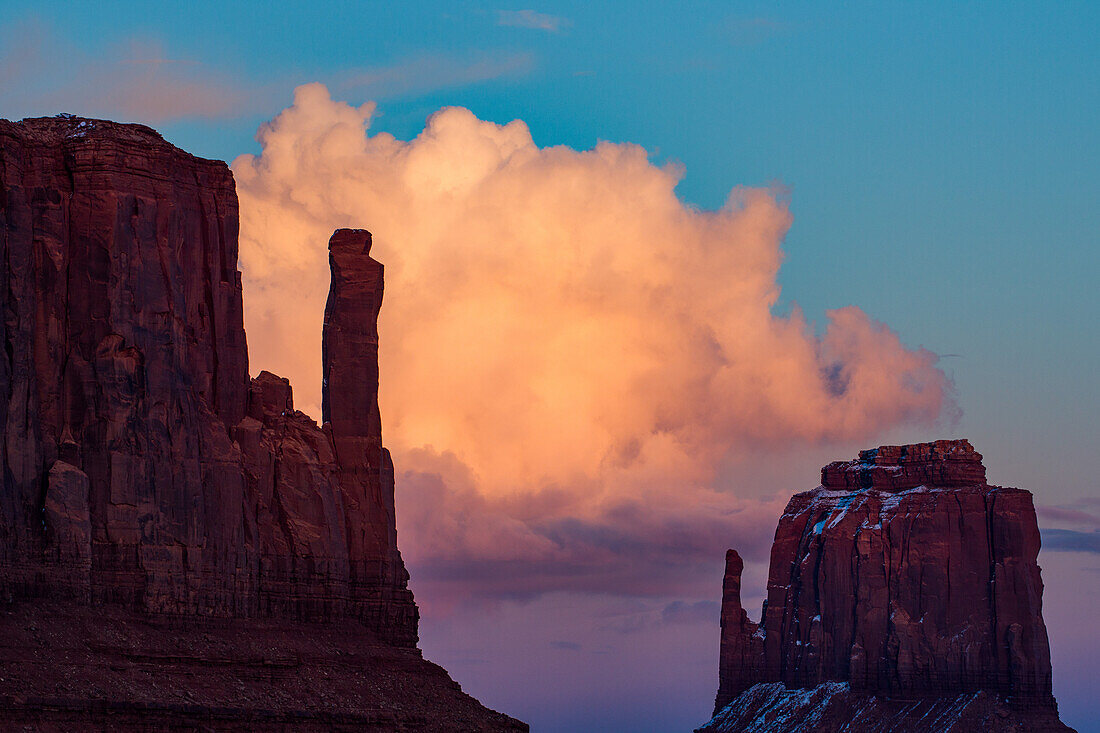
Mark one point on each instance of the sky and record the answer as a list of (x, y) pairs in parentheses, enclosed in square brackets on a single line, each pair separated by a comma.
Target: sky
[(648, 269)]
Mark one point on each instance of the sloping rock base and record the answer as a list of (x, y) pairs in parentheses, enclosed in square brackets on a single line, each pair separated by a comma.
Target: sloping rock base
[(65, 667), (834, 707)]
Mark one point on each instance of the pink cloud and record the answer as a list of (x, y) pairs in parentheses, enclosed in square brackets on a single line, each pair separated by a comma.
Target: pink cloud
[(138, 80), (1069, 515), (571, 357), (133, 81)]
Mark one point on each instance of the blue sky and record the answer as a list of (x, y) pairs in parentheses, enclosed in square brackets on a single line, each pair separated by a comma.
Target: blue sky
[(941, 158)]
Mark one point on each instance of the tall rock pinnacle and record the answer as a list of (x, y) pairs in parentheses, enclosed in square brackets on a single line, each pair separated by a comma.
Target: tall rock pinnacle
[(350, 406)]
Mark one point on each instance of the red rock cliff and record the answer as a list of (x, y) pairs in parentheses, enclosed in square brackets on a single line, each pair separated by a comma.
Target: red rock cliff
[(178, 545), (141, 465), (903, 575)]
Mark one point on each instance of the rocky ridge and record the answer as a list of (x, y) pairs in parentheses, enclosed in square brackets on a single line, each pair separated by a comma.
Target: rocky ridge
[(904, 576), (143, 470)]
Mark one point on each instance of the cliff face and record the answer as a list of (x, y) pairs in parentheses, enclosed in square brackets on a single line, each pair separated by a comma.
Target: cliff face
[(125, 365), (904, 575), (324, 496), (142, 467)]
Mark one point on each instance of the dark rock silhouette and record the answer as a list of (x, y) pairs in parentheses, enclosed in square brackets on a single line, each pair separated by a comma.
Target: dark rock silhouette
[(147, 477), (903, 577)]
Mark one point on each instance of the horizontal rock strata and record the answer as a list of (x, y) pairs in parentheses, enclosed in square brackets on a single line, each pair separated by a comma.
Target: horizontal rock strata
[(143, 469), (904, 575), (143, 466), (110, 669)]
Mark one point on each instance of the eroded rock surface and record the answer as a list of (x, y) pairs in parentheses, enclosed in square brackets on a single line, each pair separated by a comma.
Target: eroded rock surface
[(125, 369), (742, 651), (904, 575), (142, 467), (115, 670)]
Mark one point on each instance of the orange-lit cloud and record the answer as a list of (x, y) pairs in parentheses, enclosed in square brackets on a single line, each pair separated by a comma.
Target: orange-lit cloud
[(569, 353)]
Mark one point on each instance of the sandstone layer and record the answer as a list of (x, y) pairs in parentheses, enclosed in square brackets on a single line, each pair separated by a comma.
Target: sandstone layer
[(143, 470), (903, 576), (68, 667)]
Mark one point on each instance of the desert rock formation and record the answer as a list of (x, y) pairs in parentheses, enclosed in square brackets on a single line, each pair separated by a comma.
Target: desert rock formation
[(903, 577), (144, 472)]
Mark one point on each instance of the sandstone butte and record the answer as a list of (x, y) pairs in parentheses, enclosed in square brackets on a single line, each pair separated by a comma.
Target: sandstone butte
[(904, 595), (180, 547)]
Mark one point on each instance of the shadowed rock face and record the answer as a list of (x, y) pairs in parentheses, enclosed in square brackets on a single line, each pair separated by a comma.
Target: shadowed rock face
[(741, 656), (142, 467), (125, 368), (349, 393), (903, 575)]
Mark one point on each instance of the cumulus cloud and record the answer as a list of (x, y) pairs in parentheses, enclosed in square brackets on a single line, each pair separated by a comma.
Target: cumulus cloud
[(531, 19), (569, 353)]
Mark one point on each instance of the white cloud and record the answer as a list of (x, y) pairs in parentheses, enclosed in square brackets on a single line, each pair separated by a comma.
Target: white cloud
[(531, 19)]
